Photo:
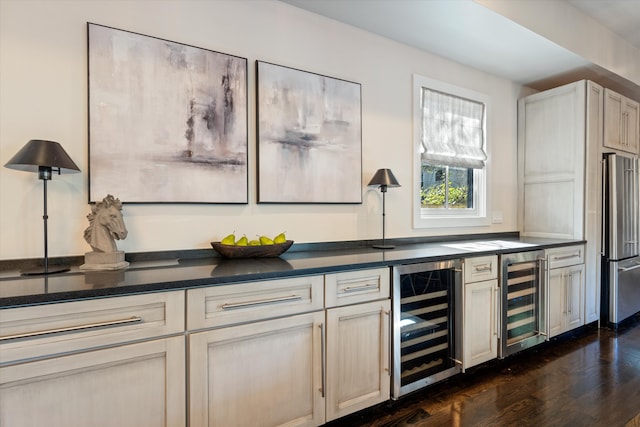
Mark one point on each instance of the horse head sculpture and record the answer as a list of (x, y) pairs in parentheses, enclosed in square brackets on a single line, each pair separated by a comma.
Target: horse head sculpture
[(106, 225)]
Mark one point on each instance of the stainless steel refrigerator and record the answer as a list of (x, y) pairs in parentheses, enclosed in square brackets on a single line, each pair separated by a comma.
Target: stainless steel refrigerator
[(621, 246)]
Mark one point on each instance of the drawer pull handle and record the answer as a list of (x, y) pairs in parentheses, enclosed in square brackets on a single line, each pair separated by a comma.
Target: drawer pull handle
[(558, 258), (230, 306), (119, 322), (482, 268), (359, 288)]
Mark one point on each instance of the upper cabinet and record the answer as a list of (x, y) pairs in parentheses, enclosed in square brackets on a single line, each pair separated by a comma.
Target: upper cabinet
[(621, 122)]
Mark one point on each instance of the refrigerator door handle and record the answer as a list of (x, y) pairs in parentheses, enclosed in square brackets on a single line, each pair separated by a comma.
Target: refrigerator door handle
[(625, 269), (636, 206), (603, 228)]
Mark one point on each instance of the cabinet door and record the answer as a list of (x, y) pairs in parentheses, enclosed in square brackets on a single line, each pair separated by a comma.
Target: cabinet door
[(551, 159), (621, 122), (566, 299), (613, 105), (358, 357), (557, 301), (632, 126), (575, 294), (266, 373), (480, 333), (133, 385)]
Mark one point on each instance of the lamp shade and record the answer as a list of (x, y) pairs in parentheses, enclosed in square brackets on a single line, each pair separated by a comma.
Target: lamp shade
[(37, 153), (384, 177)]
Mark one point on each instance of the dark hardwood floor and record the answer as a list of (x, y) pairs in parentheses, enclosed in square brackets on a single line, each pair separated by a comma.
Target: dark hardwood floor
[(590, 378)]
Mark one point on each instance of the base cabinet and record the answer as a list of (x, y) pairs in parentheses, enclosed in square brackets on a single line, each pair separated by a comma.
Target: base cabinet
[(112, 362), (267, 373), (566, 304), (276, 353), (480, 323), (358, 357), (132, 385)]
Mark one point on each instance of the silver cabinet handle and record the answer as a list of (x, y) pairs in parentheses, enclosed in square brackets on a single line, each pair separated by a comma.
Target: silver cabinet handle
[(359, 288), (389, 349), (324, 359), (127, 321), (561, 257), (230, 306), (482, 268)]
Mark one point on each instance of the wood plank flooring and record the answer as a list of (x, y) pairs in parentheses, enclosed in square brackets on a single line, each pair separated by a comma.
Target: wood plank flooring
[(589, 378)]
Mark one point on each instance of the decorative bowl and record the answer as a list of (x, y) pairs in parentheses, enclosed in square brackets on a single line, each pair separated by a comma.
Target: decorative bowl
[(262, 251)]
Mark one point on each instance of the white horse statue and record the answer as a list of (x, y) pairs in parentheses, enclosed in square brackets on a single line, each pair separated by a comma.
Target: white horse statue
[(106, 225)]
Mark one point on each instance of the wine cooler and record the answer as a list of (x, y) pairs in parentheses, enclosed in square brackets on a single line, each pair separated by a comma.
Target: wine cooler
[(426, 324), (523, 301)]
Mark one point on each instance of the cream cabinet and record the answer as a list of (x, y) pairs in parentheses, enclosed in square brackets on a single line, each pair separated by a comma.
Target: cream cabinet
[(566, 289), (111, 362), (267, 373), (480, 312), (260, 361), (358, 373), (560, 135), (272, 353), (621, 123)]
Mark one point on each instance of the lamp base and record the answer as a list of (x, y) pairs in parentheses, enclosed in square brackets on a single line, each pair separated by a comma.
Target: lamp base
[(52, 269), (383, 247)]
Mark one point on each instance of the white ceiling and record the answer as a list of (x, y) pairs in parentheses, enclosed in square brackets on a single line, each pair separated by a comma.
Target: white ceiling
[(620, 16), (485, 40)]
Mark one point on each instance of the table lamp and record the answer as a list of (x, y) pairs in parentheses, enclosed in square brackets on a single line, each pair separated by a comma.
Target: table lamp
[(384, 179), (45, 158)]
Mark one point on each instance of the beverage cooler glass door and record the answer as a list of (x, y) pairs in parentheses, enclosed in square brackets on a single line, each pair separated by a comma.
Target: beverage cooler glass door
[(427, 322), (523, 301)]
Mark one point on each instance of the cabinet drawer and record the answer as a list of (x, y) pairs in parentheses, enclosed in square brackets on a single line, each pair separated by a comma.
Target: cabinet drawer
[(246, 302), (352, 287), (44, 330), (566, 256), (480, 268)]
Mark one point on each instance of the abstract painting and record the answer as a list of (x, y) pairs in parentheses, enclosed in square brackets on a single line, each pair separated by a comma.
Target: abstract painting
[(167, 121), (309, 137)]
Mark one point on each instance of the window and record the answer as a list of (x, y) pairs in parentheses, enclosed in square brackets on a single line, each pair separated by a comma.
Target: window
[(451, 155)]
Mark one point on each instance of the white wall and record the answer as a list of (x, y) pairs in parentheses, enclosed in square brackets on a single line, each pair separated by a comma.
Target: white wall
[(43, 82)]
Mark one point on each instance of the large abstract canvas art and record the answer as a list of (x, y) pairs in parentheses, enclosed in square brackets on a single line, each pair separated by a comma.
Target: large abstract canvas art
[(309, 137), (167, 121)]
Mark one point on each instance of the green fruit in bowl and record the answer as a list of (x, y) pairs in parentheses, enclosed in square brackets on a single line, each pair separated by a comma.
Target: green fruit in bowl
[(280, 238), (243, 241), (254, 243), (229, 240), (264, 240)]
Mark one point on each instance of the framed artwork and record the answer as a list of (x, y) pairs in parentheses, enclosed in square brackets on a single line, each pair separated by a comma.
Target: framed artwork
[(309, 137), (167, 121)]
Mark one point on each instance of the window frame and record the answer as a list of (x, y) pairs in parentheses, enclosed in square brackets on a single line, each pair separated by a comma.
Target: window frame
[(450, 218)]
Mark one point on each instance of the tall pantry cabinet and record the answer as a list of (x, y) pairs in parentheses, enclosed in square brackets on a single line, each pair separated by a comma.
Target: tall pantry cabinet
[(560, 135)]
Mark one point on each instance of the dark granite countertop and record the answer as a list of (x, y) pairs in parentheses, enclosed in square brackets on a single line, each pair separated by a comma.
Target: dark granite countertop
[(174, 273)]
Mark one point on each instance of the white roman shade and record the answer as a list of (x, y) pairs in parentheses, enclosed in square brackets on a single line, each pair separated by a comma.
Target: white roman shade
[(452, 130)]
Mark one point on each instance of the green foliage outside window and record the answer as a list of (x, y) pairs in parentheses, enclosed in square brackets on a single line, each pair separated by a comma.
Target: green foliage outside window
[(434, 196)]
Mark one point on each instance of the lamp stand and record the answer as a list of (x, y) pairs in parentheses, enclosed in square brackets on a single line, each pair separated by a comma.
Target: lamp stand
[(383, 189), (44, 173)]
